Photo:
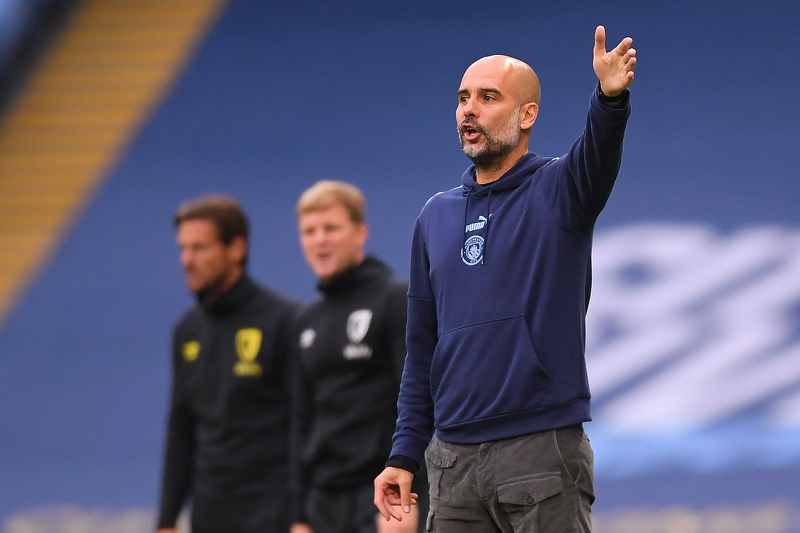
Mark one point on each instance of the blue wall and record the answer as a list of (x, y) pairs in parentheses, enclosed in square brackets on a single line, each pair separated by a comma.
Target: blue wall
[(283, 93)]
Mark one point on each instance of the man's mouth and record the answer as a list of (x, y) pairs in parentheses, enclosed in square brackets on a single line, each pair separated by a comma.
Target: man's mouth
[(470, 131)]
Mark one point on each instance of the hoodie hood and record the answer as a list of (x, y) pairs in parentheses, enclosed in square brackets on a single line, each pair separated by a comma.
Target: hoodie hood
[(527, 165)]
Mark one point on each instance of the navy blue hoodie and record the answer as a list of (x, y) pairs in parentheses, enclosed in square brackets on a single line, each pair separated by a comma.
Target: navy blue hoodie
[(499, 286)]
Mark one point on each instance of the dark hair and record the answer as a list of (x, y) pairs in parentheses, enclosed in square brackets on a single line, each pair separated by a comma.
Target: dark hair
[(222, 211)]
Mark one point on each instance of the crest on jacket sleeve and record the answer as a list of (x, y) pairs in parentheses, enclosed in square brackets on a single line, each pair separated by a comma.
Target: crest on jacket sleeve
[(191, 350), (248, 344)]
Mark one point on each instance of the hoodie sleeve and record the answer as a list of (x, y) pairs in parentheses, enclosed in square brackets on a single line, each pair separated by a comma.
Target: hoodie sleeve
[(585, 176), (415, 405), (398, 313)]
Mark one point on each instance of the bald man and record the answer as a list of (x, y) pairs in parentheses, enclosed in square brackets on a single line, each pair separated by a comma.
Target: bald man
[(494, 391)]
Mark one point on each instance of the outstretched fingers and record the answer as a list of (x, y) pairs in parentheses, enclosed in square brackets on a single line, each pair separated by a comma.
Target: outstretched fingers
[(628, 57), (614, 68), (624, 47)]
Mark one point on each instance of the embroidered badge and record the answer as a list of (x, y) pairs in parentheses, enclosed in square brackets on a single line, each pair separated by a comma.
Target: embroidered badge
[(357, 327), (473, 250), (191, 350), (307, 338), (248, 344)]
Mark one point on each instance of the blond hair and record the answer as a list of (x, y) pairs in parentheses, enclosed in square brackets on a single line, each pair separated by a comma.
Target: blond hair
[(327, 193)]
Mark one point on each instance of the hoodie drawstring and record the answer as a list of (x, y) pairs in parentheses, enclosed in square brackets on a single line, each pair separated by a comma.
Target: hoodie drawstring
[(486, 231), (466, 210)]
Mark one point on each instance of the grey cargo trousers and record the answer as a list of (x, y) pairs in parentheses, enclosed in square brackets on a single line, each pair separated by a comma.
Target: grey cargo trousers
[(537, 483)]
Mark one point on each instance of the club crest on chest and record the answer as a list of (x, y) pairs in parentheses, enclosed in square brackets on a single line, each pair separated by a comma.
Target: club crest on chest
[(357, 326), (247, 343)]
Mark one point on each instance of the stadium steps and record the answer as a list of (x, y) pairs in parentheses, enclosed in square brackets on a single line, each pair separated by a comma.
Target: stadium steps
[(82, 104)]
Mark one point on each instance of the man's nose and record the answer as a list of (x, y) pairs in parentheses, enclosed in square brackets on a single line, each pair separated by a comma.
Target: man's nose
[(468, 108), (322, 238), (186, 258), (318, 237)]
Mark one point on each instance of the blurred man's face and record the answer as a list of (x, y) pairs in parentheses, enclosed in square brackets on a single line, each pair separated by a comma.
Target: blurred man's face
[(331, 241), (210, 266)]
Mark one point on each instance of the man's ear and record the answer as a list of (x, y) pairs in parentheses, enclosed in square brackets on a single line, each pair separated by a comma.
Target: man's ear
[(363, 233), (527, 115), (238, 249)]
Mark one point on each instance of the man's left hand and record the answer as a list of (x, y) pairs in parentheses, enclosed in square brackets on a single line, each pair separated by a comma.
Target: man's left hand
[(615, 68)]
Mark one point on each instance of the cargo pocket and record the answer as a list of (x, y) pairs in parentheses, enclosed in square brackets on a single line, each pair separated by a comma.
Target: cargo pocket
[(440, 473), (521, 498)]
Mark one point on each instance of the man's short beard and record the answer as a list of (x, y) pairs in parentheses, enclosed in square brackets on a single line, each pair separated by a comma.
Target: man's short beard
[(213, 289), (496, 147)]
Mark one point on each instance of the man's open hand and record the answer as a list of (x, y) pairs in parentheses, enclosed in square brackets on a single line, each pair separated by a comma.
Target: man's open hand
[(615, 68)]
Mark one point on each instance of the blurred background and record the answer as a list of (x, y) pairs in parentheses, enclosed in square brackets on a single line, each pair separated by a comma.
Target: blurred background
[(114, 112)]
